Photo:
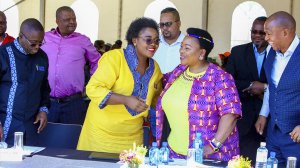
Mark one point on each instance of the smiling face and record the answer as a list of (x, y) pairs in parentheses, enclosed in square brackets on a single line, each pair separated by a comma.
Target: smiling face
[(275, 35), (66, 22), (190, 52), (146, 43)]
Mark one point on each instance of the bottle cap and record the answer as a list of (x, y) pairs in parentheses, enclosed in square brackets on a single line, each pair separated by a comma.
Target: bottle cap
[(164, 144), (272, 154), (198, 134), (154, 144), (292, 158), (263, 144)]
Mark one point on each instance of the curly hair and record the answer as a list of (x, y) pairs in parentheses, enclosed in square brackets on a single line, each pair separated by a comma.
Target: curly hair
[(139, 24)]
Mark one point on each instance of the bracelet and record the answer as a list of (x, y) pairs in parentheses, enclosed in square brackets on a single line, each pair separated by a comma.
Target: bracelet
[(213, 147), (216, 143)]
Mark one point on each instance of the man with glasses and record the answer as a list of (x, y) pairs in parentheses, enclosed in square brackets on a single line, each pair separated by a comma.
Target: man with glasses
[(24, 88), (246, 66), (68, 52), (4, 37), (167, 55)]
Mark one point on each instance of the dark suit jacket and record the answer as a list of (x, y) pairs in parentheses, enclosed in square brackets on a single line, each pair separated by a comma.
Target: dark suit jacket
[(242, 66)]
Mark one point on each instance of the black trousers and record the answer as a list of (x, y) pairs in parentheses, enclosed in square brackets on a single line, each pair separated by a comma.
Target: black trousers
[(70, 112)]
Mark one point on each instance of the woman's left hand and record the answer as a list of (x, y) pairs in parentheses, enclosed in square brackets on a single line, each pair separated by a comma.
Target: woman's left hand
[(207, 150)]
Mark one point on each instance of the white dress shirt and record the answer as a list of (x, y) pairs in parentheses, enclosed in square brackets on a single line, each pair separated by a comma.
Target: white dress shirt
[(280, 62), (168, 56)]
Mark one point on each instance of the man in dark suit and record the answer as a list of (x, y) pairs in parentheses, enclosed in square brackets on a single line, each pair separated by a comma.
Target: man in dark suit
[(281, 99), (246, 66)]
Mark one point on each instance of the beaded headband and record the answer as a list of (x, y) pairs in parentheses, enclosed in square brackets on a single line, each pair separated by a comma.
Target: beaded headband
[(200, 37)]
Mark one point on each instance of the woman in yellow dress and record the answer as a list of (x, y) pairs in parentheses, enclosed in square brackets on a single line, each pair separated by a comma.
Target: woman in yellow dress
[(122, 91)]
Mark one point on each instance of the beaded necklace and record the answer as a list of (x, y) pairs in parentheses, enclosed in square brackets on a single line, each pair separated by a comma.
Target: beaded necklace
[(188, 77)]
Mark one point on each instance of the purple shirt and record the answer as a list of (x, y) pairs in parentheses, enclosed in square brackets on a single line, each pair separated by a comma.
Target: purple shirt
[(211, 97), (67, 56)]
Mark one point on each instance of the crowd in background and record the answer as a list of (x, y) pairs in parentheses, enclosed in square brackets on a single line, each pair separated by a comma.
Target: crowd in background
[(163, 77)]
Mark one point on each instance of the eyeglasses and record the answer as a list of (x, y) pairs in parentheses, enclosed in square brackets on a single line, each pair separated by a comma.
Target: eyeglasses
[(33, 44), (262, 33), (167, 24), (150, 41)]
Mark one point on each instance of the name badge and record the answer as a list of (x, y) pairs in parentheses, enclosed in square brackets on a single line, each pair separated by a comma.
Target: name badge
[(40, 68)]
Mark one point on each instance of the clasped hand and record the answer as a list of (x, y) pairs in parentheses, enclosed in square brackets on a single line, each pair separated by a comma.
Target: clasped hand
[(136, 104), (255, 88)]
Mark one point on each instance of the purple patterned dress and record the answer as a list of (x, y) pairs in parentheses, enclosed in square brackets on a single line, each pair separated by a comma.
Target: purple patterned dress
[(212, 96)]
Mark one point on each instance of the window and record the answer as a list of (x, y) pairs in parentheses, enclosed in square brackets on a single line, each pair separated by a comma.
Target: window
[(87, 17), (154, 8), (242, 19)]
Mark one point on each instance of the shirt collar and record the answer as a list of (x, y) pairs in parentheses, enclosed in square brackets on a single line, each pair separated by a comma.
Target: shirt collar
[(56, 31), (291, 49), (256, 51), (19, 47), (179, 39)]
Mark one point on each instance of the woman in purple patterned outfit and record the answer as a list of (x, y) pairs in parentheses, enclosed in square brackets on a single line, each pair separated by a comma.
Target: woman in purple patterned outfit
[(199, 97)]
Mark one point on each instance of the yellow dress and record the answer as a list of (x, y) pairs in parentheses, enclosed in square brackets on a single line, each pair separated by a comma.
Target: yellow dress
[(112, 128)]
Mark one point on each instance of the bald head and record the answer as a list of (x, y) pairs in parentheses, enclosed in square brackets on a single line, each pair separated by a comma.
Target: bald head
[(31, 24), (280, 30), (31, 35), (283, 20)]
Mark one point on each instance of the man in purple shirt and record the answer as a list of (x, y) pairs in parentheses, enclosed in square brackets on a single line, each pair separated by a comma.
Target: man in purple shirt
[(68, 52)]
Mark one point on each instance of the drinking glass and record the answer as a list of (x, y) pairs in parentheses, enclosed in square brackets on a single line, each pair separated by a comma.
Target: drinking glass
[(191, 157), (18, 141)]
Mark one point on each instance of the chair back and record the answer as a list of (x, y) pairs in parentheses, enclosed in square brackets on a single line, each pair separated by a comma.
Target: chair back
[(58, 135)]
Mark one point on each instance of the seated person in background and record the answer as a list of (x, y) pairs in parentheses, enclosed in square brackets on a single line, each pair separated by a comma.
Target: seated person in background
[(199, 97), (117, 45), (123, 87), (100, 46), (224, 59)]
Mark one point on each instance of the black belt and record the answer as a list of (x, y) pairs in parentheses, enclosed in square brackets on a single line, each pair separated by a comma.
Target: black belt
[(67, 98)]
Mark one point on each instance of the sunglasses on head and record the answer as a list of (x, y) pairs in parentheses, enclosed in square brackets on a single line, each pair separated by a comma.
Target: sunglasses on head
[(32, 44), (262, 33), (150, 41), (167, 24)]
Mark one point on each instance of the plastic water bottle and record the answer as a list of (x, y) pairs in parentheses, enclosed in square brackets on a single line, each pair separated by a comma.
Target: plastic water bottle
[(154, 155), (272, 161), (164, 153), (261, 156), (198, 145)]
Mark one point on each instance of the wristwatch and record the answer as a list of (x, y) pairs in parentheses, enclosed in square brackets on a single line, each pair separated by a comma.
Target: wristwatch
[(265, 87)]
